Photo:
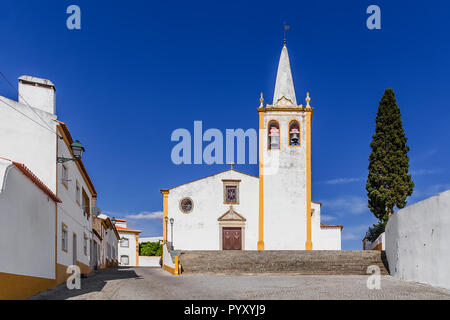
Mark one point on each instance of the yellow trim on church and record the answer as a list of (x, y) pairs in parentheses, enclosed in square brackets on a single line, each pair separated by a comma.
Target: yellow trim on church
[(260, 245), (308, 243), (165, 194)]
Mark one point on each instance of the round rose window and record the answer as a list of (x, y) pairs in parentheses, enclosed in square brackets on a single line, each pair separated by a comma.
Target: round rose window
[(186, 205)]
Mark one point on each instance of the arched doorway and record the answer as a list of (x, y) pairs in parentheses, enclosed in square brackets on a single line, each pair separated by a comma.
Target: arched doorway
[(231, 231)]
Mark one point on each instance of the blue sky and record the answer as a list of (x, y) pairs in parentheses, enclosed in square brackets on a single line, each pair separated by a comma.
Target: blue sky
[(137, 70)]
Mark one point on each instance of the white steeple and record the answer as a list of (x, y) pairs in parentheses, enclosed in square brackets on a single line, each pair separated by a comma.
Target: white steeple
[(284, 94)]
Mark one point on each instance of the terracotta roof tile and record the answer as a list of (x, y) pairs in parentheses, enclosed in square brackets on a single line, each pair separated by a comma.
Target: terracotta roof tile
[(30, 175), (329, 226), (127, 229)]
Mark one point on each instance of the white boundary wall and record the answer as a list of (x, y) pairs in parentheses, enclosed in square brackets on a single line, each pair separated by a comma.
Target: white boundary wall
[(418, 241), (167, 258), (27, 228), (380, 240), (149, 261)]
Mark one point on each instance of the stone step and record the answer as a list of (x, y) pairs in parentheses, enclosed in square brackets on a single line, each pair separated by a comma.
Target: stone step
[(299, 262)]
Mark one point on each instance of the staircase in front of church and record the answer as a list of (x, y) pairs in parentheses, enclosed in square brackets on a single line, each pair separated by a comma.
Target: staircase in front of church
[(351, 262)]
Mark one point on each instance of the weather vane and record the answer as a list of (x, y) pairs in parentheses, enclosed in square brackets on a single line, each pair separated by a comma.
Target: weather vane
[(285, 28)]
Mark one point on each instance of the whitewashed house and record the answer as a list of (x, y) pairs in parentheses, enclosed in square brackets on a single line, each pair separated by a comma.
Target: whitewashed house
[(110, 242), (128, 245), (78, 196), (232, 210), (31, 134), (27, 232)]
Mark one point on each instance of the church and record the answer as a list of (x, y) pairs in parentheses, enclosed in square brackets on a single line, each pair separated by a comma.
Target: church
[(232, 210)]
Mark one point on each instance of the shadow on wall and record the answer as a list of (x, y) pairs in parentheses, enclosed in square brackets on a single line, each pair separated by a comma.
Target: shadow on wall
[(61, 292)]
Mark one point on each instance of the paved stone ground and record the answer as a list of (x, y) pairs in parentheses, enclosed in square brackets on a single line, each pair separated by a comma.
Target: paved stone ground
[(154, 283)]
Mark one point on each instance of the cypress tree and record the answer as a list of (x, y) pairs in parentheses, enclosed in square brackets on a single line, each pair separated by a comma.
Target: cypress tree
[(388, 182)]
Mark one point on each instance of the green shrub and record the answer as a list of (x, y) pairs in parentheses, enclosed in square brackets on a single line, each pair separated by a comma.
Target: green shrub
[(150, 249), (374, 232)]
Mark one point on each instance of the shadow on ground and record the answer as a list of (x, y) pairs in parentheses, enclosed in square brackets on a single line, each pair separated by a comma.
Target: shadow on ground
[(96, 283)]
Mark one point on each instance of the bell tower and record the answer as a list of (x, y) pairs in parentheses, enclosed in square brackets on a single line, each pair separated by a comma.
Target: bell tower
[(284, 166)]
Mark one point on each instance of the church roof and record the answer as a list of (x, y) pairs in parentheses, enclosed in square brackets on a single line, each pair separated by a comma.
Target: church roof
[(284, 94)]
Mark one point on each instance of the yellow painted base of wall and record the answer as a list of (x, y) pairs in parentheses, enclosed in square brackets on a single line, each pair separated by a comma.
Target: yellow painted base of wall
[(19, 287), (85, 269), (62, 275), (175, 271), (378, 247), (171, 270)]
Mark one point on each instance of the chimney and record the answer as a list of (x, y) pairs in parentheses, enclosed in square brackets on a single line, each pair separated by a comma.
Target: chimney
[(38, 93)]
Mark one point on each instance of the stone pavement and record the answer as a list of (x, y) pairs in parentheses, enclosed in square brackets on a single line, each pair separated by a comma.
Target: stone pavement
[(154, 283)]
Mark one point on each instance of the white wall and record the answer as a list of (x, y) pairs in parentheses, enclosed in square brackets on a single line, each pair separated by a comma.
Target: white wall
[(199, 229), (111, 239), (330, 239), (149, 261), (151, 239), (323, 238), (167, 258), (418, 241), (24, 141), (380, 240), (315, 226), (285, 188), (41, 96), (27, 225)]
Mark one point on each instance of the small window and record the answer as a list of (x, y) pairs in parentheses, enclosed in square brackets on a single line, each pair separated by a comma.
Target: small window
[(85, 204), (124, 260), (231, 194), (124, 243), (77, 192), (231, 191), (273, 135), (65, 176), (294, 133), (85, 245), (186, 205), (64, 244)]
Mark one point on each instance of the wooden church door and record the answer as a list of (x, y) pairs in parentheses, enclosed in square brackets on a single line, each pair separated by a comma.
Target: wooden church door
[(231, 238)]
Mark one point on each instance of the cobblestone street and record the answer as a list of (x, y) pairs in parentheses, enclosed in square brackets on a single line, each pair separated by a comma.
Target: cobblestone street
[(154, 283)]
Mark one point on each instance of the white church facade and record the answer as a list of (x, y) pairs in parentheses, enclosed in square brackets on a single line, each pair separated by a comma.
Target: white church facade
[(232, 210)]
